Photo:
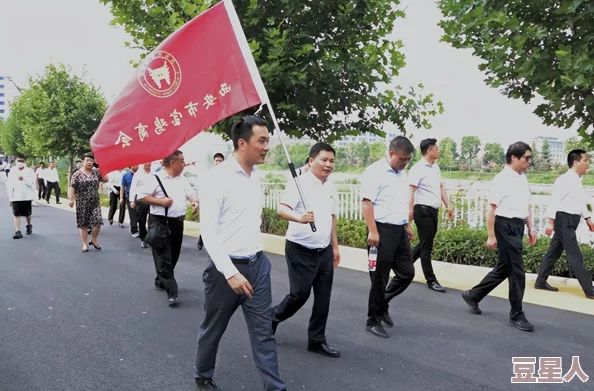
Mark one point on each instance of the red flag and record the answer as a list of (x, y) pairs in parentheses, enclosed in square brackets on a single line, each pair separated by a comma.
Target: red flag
[(202, 73)]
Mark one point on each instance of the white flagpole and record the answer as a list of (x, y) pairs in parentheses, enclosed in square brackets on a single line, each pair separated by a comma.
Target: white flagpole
[(259, 84)]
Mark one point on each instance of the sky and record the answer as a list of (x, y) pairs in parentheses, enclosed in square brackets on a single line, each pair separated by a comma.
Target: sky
[(78, 33)]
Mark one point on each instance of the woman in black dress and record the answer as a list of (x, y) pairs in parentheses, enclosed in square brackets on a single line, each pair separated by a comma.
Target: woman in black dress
[(84, 188)]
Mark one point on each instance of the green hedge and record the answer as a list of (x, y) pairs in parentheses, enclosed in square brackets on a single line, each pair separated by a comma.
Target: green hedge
[(461, 245)]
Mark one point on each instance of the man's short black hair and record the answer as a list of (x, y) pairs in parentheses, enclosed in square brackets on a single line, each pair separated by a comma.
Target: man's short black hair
[(171, 158), (244, 129), (20, 156), (319, 147), (88, 155), (79, 161), (517, 149), (426, 144), (401, 143), (574, 156), (40, 163), (218, 154)]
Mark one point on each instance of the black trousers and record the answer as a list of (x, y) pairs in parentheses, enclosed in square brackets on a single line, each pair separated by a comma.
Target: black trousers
[(166, 258), (565, 239), (132, 214), (393, 253), (42, 188), (114, 201), (308, 269), (426, 219), (56, 187), (510, 265), (142, 212)]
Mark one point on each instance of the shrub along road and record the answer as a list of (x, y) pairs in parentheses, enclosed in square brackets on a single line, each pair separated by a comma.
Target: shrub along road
[(74, 321)]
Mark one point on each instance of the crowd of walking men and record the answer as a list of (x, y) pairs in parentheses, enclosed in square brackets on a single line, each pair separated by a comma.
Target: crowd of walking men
[(238, 271)]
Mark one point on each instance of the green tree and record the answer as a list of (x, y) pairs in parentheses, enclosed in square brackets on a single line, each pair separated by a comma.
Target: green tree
[(532, 48), (57, 115), (575, 143), (546, 150), (323, 62), (11, 133), (494, 153), (377, 151), (358, 154), (469, 148), (448, 154)]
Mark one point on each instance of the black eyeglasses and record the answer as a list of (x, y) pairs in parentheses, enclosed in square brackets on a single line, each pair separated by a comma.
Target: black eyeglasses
[(527, 157)]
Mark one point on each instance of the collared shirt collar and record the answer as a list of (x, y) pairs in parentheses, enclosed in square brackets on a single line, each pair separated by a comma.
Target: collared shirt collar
[(426, 162), (237, 167), (574, 173), (389, 166), (511, 170)]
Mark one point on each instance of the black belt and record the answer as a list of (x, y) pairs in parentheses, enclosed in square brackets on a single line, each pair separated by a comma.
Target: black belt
[(245, 260), (427, 207), (309, 250), (179, 218), (515, 220)]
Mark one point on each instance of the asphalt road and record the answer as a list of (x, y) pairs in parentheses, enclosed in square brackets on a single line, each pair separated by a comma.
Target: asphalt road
[(92, 321)]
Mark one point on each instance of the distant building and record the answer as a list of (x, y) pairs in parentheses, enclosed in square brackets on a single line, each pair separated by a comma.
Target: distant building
[(556, 146)]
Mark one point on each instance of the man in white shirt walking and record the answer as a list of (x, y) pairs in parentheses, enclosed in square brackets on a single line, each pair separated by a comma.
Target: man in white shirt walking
[(238, 271), (168, 193), (142, 209), (427, 194), (115, 186), (41, 181), (52, 182), (218, 159), (384, 195), (567, 207), (509, 210), (20, 188), (311, 256)]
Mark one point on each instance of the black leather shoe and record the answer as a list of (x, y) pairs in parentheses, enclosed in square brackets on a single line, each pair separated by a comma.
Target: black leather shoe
[(545, 286), (590, 296), (521, 324), (377, 330), (387, 319), (472, 304), (173, 301), (434, 286), (323, 349), (207, 385), (17, 235), (29, 229)]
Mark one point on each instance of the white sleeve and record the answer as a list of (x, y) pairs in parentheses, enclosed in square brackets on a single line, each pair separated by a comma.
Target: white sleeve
[(212, 200), (147, 186), (369, 185)]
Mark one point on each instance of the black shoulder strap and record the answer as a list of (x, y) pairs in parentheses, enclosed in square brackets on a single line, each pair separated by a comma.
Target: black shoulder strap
[(164, 191)]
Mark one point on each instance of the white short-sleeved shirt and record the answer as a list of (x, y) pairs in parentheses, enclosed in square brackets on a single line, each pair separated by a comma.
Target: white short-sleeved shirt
[(178, 189), (322, 199), (231, 214), (388, 191), (510, 192), (426, 178), (568, 196), (39, 172)]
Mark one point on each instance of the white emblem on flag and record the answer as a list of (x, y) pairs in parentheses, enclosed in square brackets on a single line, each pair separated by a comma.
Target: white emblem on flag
[(160, 74), (123, 139)]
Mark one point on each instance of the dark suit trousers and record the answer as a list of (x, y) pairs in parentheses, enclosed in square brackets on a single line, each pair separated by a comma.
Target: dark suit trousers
[(42, 188), (510, 265), (565, 239), (393, 254), (133, 215), (142, 212), (114, 202), (56, 187), (308, 269), (166, 258), (426, 219), (221, 302)]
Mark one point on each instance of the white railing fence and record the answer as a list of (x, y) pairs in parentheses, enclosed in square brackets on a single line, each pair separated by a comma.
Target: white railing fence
[(469, 206)]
